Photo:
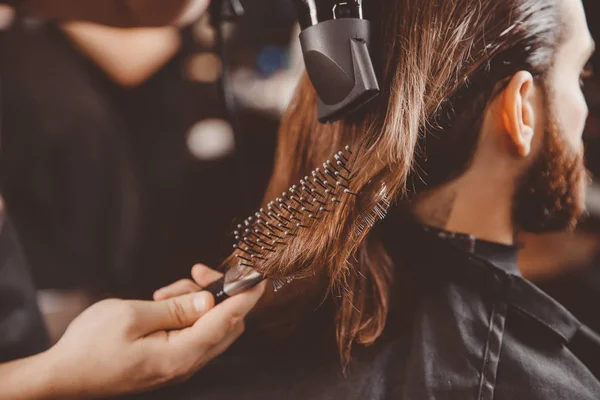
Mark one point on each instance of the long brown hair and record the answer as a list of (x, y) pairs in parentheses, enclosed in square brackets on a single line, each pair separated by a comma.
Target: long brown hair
[(439, 62)]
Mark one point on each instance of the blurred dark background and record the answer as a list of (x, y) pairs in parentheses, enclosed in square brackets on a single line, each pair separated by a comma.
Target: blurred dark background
[(120, 171)]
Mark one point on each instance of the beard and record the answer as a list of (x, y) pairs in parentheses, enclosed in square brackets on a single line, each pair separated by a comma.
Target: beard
[(551, 194)]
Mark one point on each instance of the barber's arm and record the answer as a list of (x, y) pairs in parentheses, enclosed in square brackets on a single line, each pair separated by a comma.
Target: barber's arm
[(122, 13), (118, 346)]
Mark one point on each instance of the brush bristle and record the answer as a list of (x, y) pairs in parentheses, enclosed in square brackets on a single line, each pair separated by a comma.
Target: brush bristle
[(300, 208)]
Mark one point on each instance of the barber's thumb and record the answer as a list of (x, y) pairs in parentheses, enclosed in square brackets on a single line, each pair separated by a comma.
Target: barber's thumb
[(176, 312)]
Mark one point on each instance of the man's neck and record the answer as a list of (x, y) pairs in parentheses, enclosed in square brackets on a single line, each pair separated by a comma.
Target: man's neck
[(468, 206)]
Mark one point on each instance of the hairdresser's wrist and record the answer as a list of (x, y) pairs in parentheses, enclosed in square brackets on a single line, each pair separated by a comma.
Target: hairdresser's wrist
[(35, 377), (68, 375), (61, 378), (53, 377)]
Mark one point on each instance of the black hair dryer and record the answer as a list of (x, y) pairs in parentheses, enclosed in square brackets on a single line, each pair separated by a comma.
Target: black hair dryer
[(335, 47)]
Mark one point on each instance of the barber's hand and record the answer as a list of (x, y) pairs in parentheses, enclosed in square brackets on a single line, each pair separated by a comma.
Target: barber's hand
[(119, 346), (202, 277)]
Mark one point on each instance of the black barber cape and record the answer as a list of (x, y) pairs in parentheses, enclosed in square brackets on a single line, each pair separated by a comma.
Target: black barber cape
[(476, 330)]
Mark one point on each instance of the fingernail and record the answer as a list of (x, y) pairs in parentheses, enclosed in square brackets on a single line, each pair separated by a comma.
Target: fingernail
[(200, 303)]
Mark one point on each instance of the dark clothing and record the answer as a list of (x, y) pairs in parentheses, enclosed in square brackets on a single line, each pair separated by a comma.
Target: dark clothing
[(63, 170), (477, 330), (101, 185), (578, 289), (22, 331)]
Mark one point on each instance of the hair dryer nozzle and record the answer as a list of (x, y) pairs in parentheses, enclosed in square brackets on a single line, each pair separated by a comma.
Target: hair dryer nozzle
[(337, 59)]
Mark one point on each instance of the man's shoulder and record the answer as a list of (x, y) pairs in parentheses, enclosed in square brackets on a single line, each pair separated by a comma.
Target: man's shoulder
[(503, 341)]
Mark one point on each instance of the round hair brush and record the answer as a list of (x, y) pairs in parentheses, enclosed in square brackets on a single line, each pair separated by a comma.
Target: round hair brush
[(283, 219)]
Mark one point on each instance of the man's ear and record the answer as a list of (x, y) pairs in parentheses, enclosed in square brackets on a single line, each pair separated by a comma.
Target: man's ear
[(518, 112)]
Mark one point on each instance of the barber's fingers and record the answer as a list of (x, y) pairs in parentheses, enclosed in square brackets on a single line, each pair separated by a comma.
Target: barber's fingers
[(225, 343), (204, 275), (178, 288), (174, 313), (217, 323), (182, 362)]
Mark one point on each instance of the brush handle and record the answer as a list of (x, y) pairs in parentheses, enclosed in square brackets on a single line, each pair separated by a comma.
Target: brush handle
[(217, 288), (224, 288)]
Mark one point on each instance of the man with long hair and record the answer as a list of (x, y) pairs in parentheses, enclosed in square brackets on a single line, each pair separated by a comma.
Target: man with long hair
[(476, 136)]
